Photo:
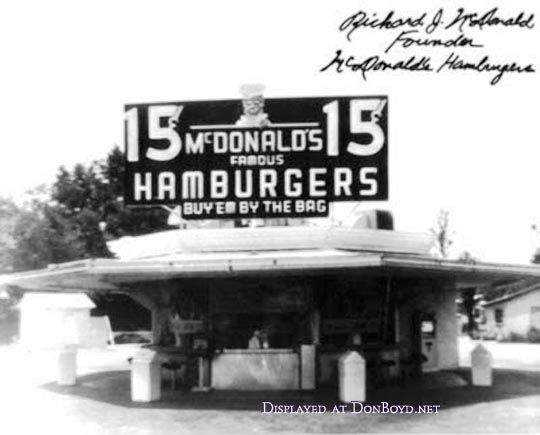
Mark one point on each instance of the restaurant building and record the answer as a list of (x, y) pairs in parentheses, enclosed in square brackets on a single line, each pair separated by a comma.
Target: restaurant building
[(275, 307)]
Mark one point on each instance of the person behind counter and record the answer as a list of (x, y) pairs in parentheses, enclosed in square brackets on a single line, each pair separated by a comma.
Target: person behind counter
[(259, 340)]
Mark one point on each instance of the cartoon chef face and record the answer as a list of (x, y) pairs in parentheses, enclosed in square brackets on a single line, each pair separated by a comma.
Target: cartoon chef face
[(253, 105), (253, 101)]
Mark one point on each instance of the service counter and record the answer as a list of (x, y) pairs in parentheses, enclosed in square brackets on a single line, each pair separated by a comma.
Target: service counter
[(256, 369), (275, 369), (239, 369)]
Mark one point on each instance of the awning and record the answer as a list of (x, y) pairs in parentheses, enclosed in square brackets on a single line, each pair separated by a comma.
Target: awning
[(114, 275)]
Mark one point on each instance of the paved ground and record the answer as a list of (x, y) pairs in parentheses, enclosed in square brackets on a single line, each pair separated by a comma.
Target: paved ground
[(31, 402)]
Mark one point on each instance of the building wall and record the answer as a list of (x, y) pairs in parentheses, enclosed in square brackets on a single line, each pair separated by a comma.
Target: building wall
[(50, 328), (438, 298), (516, 317)]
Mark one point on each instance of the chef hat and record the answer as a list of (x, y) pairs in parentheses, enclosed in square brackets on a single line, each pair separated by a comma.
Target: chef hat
[(252, 90)]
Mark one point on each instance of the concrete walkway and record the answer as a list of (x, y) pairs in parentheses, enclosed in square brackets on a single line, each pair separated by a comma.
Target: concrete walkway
[(31, 402)]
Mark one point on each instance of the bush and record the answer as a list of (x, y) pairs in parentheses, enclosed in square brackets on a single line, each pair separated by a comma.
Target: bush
[(533, 335), (515, 338), (490, 335)]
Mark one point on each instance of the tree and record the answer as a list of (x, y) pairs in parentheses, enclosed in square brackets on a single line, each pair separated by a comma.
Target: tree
[(443, 237), (122, 220), (442, 233), (9, 212), (92, 198), (93, 195), (42, 236), (536, 256), (74, 218)]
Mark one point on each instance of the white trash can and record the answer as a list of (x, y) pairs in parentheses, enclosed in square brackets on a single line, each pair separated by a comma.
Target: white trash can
[(352, 377), (67, 365), (481, 366), (145, 376)]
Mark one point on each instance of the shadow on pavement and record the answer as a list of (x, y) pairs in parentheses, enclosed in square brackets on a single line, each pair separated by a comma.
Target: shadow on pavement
[(114, 387)]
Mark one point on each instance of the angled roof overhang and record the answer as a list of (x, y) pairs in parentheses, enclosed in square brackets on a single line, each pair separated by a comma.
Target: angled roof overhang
[(267, 251), (116, 275)]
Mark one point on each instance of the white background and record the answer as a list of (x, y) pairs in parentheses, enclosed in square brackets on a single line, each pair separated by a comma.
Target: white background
[(456, 142)]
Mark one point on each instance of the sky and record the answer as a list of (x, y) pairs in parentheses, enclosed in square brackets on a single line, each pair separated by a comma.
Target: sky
[(455, 141)]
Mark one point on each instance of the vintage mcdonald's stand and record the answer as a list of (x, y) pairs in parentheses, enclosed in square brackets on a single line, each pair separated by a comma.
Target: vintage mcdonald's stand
[(255, 292)]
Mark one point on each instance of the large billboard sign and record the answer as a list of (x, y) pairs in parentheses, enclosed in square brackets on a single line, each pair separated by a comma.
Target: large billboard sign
[(257, 158)]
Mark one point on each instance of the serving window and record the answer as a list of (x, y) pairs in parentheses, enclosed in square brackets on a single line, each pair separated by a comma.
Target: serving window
[(356, 312), (274, 307)]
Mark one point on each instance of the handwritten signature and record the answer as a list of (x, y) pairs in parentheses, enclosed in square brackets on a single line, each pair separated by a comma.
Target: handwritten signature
[(453, 62), (491, 18), (416, 33)]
